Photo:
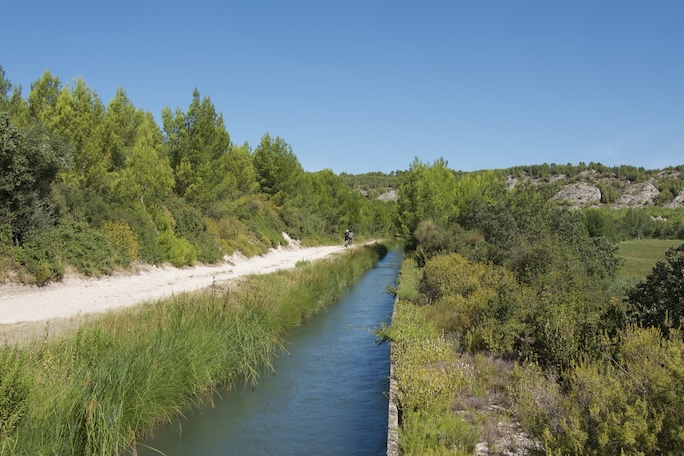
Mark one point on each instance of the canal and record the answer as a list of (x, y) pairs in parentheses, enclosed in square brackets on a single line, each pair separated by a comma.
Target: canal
[(328, 395)]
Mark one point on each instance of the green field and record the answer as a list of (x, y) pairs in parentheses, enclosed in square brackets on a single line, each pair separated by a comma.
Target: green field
[(641, 255)]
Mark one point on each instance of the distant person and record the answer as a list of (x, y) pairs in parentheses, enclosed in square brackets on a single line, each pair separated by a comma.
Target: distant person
[(348, 235)]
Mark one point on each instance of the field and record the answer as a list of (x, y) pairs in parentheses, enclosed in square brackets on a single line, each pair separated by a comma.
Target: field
[(641, 255)]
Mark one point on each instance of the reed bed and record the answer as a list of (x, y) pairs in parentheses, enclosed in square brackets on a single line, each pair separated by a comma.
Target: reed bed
[(102, 388)]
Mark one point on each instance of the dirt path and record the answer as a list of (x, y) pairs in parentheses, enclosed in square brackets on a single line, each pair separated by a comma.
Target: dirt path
[(75, 297)]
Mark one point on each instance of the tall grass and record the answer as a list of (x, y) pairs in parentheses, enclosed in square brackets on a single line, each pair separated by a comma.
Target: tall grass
[(99, 390)]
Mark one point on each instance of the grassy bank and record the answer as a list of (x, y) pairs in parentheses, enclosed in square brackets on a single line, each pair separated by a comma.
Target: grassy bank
[(449, 401), (100, 389)]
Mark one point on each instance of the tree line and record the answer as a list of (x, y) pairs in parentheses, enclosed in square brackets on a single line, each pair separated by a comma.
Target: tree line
[(97, 187)]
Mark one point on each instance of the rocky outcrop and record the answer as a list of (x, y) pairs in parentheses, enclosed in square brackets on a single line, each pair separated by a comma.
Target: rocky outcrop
[(579, 194), (637, 195), (389, 196), (585, 190), (677, 202)]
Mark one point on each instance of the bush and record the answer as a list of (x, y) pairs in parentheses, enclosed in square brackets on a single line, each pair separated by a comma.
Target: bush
[(659, 300), (177, 251), (430, 239), (121, 236), (39, 257), (189, 224), (479, 302), (85, 248)]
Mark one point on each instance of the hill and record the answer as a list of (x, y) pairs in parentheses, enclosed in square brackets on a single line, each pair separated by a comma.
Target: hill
[(598, 186)]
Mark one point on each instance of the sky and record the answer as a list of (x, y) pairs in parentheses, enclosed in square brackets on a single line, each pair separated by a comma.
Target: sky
[(364, 86)]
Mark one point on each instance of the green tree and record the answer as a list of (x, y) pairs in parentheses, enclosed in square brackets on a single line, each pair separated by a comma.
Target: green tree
[(427, 192), (147, 173), (637, 224), (121, 125), (659, 300), (29, 163), (279, 172), (12, 102), (79, 117), (198, 146), (239, 164), (43, 97), (5, 88)]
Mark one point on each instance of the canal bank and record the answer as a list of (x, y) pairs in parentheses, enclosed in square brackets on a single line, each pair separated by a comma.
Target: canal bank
[(392, 409), (328, 394)]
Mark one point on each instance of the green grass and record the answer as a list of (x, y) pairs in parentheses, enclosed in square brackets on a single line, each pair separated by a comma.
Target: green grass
[(641, 255), (100, 389)]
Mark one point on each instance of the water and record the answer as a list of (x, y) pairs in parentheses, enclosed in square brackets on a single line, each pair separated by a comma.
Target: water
[(328, 397)]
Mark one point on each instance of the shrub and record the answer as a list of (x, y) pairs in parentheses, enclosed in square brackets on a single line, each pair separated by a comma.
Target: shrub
[(121, 236), (39, 257), (659, 300), (177, 251), (86, 248), (189, 224), (409, 280)]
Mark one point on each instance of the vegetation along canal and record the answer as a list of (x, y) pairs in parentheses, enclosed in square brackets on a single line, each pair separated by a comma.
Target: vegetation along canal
[(328, 396)]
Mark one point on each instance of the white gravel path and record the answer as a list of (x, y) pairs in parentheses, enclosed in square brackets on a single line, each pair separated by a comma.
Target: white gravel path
[(81, 296)]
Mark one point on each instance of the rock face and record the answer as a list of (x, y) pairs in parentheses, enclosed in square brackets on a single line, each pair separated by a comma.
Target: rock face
[(579, 194), (637, 195), (677, 202), (585, 190), (389, 196)]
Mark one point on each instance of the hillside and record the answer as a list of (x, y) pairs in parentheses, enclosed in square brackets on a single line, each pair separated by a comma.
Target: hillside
[(580, 186), (607, 187)]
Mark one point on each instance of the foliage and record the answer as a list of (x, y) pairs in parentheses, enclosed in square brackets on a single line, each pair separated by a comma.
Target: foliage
[(79, 117), (146, 174), (659, 300), (198, 146), (37, 256), (121, 236), (429, 376), (278, 170), (11, 101), (427, 192), (29, 162), (189, 224), (184, 190), (629, 403)]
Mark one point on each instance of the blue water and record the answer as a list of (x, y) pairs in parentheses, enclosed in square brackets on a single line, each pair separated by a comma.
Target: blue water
[(327, 397)]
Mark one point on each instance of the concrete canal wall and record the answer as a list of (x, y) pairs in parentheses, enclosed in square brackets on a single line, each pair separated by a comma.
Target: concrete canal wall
[(393, 416)]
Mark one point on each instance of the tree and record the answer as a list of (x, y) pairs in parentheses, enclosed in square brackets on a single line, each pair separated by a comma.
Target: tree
[(79, 117), (659, 300), (198, 146), (43, 97), (12, 102), (5, 88), (240, 165), (147, 173), (279, 172), (29, 163), (121, 125), (427, 193)]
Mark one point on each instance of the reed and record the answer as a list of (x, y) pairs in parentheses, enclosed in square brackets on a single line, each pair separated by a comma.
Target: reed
[(102, 388)]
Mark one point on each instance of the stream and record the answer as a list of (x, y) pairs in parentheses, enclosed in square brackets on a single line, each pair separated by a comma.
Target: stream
[(328, 395)]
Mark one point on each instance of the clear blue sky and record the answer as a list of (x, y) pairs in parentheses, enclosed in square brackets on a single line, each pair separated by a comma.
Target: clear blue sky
[(360, 86)]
